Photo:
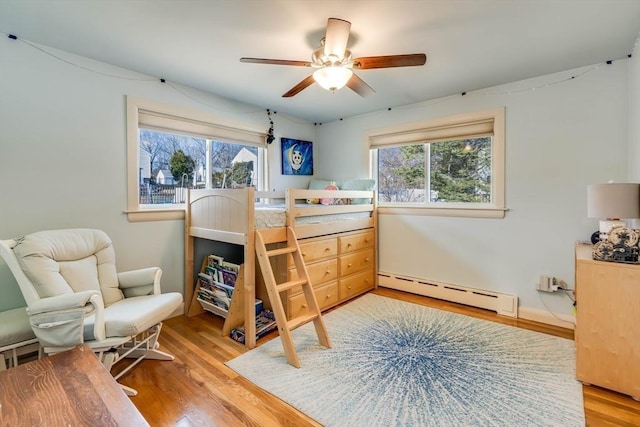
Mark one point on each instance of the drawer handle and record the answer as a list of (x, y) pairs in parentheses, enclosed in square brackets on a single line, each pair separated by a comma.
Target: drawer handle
[(304, 305), (348, 244), (327, 249), (366, 260), (328, 271), (349, 265), (327, 297), (366, 240), (304, 254)]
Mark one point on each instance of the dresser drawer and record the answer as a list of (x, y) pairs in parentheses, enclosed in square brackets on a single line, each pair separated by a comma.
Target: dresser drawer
[(319, 273), (317, 250), (357, 261), (326, 296), (356, 242), (355, 284)]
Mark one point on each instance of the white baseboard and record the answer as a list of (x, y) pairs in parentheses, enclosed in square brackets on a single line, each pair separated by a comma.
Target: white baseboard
[(542, 316), (503, 304)]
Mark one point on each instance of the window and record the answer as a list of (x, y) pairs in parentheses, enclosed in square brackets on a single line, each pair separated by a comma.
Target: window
[(171, 149), (452, 166)]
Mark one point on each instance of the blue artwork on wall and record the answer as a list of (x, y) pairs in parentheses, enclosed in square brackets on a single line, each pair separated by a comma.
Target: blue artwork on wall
[(297, 157)]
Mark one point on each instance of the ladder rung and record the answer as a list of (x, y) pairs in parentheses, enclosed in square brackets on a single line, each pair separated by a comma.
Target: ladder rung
[(288, 285), (281, 251), (301, 320)]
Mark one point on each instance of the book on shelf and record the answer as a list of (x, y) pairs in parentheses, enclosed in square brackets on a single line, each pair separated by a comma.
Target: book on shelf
[(215, 284), (214, 261), (265, 323), (229, 277), (204, 296), (214, 272), (217, 297), (223, 274), (211, 284), (212, 290), (231, 266)]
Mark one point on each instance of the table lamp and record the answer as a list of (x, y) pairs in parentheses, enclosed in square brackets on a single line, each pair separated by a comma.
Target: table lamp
[(611, 203)]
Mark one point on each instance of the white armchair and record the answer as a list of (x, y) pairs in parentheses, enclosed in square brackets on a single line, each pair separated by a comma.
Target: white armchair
[(75, 296)]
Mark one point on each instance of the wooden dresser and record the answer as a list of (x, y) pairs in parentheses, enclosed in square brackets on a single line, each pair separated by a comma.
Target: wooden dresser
[(607, 331), (341, 266)]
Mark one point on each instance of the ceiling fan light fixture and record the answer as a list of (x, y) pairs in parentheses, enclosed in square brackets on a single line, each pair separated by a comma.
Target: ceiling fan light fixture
[(332, 78), (333, 62), (320, 59)]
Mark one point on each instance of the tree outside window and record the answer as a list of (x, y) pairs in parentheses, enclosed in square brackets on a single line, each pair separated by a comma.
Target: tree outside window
[(184, 158), (456, 171)]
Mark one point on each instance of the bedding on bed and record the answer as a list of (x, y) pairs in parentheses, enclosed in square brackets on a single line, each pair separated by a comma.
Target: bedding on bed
[(274, 215), (318, 219)]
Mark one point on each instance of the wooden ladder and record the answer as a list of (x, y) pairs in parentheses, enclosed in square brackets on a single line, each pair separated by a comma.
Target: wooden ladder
[(274, 289)]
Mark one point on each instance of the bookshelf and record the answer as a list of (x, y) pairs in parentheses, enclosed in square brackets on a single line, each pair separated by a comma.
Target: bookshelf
[(219, 289)]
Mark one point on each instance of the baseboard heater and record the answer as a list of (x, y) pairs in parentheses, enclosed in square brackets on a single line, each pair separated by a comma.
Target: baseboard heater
[(503, 304)]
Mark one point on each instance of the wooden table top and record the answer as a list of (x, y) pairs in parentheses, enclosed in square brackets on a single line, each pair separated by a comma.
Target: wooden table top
[(68, 389)]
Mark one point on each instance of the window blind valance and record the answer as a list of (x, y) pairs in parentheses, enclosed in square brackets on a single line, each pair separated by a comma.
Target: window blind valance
[(466, 126), (169, 123)]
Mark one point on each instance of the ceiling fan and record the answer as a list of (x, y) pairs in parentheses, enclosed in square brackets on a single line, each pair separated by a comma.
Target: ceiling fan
[(335, 64)]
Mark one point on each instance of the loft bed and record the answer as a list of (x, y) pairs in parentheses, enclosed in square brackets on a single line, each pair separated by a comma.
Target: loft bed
[(233, 215)]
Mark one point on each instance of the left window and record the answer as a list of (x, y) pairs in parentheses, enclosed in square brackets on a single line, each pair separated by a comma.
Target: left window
[(171, 149)]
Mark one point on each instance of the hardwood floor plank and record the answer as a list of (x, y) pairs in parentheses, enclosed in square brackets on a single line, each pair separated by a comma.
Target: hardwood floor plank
[(198, 389)]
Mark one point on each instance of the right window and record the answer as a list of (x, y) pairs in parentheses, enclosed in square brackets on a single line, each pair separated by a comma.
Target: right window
[(452, 166)]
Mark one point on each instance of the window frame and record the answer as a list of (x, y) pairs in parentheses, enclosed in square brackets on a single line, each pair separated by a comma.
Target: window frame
[(460, 126), (183, 121)]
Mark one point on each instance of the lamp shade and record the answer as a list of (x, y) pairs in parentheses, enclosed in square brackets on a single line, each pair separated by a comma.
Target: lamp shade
[(332, 78), (613, 201)]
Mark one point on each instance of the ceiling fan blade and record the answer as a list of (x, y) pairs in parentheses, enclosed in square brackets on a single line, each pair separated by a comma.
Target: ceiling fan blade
[(299, 87), (336, 38), (276, 62), (369, 62), (358, 85)]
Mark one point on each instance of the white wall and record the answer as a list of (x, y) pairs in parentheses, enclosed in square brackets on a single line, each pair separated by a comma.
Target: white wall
[(63, 155), (558, 139)]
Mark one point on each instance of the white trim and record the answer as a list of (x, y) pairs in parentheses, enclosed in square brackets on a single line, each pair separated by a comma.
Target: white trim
[(443, 211), (506, 305), (155, 215)]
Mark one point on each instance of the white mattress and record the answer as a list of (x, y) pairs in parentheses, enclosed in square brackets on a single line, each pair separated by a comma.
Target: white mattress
[(270, 216), (273, 216), (318, 219)]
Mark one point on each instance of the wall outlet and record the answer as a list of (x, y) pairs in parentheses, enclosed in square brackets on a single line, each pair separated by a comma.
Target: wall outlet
[(547, 284)]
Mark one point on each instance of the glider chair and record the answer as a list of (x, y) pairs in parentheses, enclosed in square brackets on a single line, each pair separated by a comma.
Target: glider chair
[(75, 296), (16, 337)]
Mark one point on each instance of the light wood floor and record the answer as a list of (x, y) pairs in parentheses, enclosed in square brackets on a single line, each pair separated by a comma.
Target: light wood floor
[(197, 389)]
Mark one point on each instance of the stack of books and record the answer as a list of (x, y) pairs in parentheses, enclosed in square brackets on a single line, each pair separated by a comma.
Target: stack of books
[(265, 323)]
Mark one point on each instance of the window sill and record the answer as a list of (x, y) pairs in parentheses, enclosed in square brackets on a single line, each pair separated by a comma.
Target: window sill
[(155, 215), (465, 212)]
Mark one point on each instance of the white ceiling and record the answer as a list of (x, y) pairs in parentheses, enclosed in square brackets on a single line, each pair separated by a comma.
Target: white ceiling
[(470, 44)]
